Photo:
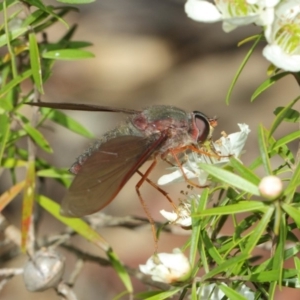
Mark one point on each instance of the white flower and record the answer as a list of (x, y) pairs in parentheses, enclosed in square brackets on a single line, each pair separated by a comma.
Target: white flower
[(181, 217), (167, 267), (234, 13), (212, 292), (283, 37), (225, 147)]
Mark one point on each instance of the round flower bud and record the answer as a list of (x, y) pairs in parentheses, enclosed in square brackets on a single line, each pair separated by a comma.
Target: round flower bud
[(44, 270), (270, 187)]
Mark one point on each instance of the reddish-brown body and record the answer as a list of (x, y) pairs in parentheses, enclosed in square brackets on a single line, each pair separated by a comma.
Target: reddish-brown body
[(103, 169)]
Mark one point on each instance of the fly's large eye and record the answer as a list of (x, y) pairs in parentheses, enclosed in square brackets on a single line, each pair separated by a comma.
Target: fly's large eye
[(202, 124)]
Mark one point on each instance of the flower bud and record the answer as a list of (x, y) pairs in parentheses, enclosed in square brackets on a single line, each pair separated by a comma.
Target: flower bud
[(270, 187), (44, 270)]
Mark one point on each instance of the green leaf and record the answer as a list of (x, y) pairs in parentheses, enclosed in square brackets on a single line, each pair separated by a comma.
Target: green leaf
[(230, 178), (55, 173), (263, 150), (297, 266), (153, 295), (286, 139), (240, 69), (278, 257), (291, 115), (268, 83), (17, 80), (293, 212), (4, 133), (35, 17), (226, 266), (264, 276), (196, 225), (28, 203), (37, 137), (48, 9), (13, 34), (241, 207), (211, 249), (8, 3), (66, 121), (244, 171), (119, 268), (35, 62), (76, 224), (68, 54), (76, 1), (10, 194), (10, 163), (253, 239), (293, 184), (231, 293), (282, 115)]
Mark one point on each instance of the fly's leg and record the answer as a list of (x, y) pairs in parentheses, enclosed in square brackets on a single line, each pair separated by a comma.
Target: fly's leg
[(137, 188), (174, 152), (164, 193), (184, 175)]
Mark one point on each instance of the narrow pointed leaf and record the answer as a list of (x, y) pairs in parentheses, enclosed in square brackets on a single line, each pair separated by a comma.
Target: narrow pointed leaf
[(68, 54), (196, 225), (47, 9), (10, 194), (28, 202), (17, 80), (243, 170), (4, 133), (282, 115), (37, 137), (286, 139), (230, 178), (225, 266), (55, 173), (119, 268), (160, 295), (231, 293), (293, 184), (241, 207), (262, 143), (259, 230), (293, 212), (35, 62), (66, 121), (291, 115), (241, 67), (13, 34), (268, 83)]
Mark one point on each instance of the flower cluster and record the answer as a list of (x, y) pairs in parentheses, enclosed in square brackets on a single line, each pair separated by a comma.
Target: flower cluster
[(227, 146), (279, 19), (173, 268)]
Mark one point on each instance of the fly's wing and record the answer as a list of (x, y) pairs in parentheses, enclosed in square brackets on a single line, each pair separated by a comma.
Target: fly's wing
[(106, 171), (83, 107)]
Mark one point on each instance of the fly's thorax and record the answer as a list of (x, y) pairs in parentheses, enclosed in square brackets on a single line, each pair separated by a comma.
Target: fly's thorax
[(123, 129), (160, 118)]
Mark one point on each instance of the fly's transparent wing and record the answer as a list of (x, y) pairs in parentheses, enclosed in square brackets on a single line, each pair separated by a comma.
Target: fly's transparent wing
[(106, 171)]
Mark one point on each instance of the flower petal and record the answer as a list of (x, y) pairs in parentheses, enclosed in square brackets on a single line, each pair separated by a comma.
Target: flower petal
[(202, 11), (276, 55)]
